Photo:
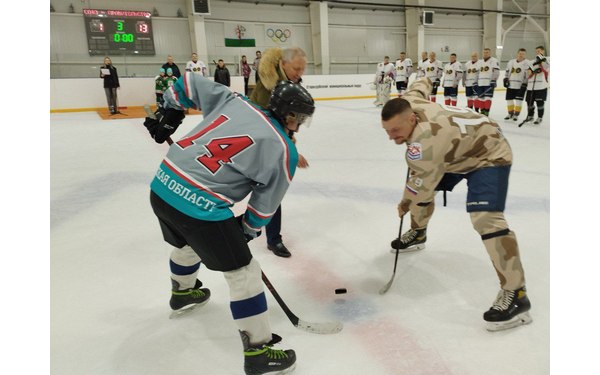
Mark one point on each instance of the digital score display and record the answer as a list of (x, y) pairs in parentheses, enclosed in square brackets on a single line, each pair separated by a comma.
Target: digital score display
[(118, 32)]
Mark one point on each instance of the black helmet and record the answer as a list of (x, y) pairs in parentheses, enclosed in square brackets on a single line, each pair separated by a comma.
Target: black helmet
[(291, 98)]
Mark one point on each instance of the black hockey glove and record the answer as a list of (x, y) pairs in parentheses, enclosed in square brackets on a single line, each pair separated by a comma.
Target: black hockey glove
[(165, 123), (436, 84), (538, 70), (539, 59), (524, 86), (249, 235), (493, 83), (506, 82)]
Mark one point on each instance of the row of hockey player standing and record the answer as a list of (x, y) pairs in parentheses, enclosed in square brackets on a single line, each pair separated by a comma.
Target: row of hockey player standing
[(243, 147), (478, 76)]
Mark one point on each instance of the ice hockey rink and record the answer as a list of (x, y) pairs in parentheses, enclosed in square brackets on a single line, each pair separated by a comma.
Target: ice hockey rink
[(109, 268)]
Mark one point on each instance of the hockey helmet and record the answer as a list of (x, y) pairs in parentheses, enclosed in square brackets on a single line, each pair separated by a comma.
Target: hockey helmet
[(289, 98)]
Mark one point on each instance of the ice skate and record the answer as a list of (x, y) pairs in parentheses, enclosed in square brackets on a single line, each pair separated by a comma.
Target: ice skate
[(509, 116), (511, 309), (186, 300), (537, 121), (262, 359), (412, 240)]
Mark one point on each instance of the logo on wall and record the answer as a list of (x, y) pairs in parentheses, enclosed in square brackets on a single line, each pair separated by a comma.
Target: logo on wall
[(278, 35), (240, 30), (239, 35)]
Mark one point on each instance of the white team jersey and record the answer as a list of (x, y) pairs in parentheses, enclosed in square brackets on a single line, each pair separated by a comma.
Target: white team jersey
[(541, 78), (421, 69), (384, 71), (489, 70), (196, 67), (433, 70), (516, 72), (471, 73), (403, 70), (453, 73)]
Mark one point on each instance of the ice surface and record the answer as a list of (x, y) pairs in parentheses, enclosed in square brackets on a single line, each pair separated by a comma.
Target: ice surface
[(110, 277)]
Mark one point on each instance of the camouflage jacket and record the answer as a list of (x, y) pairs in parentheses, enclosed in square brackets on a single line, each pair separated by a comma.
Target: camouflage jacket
[(447, 140)]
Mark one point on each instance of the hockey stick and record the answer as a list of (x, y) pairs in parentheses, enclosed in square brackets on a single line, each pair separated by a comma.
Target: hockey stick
[(531, 100), (151, 115), (387, 286), (321, 328)]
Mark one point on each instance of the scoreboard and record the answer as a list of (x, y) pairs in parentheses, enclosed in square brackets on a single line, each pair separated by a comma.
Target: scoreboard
[(118, 32)]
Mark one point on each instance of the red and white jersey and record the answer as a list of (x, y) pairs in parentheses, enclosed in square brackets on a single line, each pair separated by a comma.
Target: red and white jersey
[(453, 73), (433, 70), (383, 71), (471, 73), (516, 72), (489, 70), (403, 70)]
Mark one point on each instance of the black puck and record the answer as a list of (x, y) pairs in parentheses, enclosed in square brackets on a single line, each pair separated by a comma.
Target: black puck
[(340, 291)]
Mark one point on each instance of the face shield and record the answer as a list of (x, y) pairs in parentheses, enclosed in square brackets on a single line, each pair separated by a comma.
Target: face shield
[(302, 112), (302, 118)]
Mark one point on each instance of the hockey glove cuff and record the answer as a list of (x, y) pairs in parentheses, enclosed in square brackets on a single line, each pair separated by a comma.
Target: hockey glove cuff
[(249, 234)]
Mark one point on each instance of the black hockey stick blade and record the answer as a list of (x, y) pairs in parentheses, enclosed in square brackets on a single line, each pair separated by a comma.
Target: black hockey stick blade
[(320, 328), (523, 122), (387, 286)]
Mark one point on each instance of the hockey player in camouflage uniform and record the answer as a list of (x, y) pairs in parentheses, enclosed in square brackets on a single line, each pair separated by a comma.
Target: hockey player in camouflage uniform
[(237, 150), (444, 146)]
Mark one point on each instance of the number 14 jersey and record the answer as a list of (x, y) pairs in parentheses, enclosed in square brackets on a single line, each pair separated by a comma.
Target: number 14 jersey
[(238, 149)]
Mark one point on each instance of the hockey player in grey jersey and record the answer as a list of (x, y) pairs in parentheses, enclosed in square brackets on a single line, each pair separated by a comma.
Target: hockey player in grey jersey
[(237, 150)]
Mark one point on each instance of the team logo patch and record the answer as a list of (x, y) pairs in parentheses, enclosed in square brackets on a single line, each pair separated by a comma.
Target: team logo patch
[(414, 151)]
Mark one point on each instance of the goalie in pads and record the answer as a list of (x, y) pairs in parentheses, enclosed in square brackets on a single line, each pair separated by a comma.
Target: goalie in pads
[(444, 146)]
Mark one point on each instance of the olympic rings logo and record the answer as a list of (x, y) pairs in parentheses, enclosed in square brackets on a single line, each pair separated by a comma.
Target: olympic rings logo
[(278, 35)]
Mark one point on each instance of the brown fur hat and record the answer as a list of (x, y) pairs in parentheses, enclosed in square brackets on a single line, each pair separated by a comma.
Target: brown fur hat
[(269, 69)]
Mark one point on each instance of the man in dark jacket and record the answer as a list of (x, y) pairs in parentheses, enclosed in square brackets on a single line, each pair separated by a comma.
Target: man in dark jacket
[(222, 74), (278, 65), (172, 65)]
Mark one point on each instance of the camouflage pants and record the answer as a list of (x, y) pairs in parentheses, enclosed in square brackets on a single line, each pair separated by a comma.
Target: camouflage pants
[(500, 242)]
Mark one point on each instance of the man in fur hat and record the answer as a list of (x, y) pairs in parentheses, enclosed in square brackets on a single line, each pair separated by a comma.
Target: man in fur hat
[(277, 65)]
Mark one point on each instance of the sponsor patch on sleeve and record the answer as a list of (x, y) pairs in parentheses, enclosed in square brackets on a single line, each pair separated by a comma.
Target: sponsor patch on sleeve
[(411, 190), (414, 151)]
